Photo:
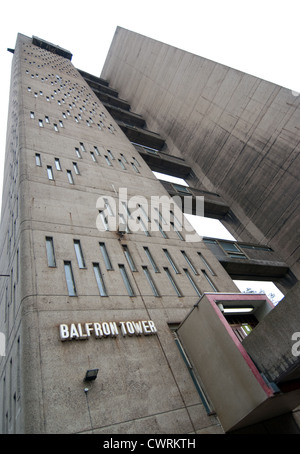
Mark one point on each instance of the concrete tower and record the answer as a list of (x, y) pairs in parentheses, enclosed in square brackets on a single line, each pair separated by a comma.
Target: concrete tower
[(113, 310)]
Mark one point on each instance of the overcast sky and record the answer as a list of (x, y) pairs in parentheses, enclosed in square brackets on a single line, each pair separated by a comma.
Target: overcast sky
[(259, 37)]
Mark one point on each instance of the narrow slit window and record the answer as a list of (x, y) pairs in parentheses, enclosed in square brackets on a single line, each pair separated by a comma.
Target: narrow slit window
[(70, 177), (150, 281), (38, 160), (76, 170), (105, 255), (50, 173), (174, 285), (206, 264), (177, 231), (136, 162), (189, 262), (177, 223), (171, 261), (143, 226), (79, 254), (123, 227), (57, 164), (135, 167), (99, 279), (126, 210), (126, 280), (121, 164), (151, 260), (104, 220), (50, 252), (108, 207), (143, 211), (129, 258), (111, 156), (209, 281), (78, 153), (123, 158), (107, 161), (161, 229), (192, 281), (70, 278), (162, 220)]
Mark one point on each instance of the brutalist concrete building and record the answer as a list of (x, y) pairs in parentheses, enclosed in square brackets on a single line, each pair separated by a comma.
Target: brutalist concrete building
[(115, 316)]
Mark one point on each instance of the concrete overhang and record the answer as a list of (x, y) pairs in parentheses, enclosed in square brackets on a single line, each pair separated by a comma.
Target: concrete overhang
[(163, 162), (125, 115), (142, 136), (258, 270)]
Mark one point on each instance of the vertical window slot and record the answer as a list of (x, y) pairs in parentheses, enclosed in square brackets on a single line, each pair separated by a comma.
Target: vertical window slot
[(151, 260), (105, 255), (129, 258), (99, 279), (79, 254), (50, 252), (126, 280), (192, 282), (174, 285), (150, 281), (70, 278)]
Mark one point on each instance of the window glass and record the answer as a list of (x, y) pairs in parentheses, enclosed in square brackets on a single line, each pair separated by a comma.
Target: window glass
[(192, 281), (79, 254), (151, 260), (38, 159), (50, 173), (126, 280), (50, 251), (99, 279), (70, 177), (172, 281), (129, 258), (105, 255), (171, 261), (57, 164), (189, 262), (69, 278), (150, 281)]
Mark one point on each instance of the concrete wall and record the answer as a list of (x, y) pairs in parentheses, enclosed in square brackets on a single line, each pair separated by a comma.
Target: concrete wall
[(143, 385), (271, 343), (239, 133)]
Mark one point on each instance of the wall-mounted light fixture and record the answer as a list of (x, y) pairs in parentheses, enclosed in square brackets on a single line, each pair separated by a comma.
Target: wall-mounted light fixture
[(91, 374), (238, 310)]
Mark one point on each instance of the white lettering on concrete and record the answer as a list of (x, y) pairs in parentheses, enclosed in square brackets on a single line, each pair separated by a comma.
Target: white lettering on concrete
[(83, 331)]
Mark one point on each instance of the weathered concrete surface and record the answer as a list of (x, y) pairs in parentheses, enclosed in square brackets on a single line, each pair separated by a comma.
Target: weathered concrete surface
[(239, 133), (270, 344)]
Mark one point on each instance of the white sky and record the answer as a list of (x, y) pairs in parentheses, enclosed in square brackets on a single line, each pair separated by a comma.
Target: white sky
[(259, 37)]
